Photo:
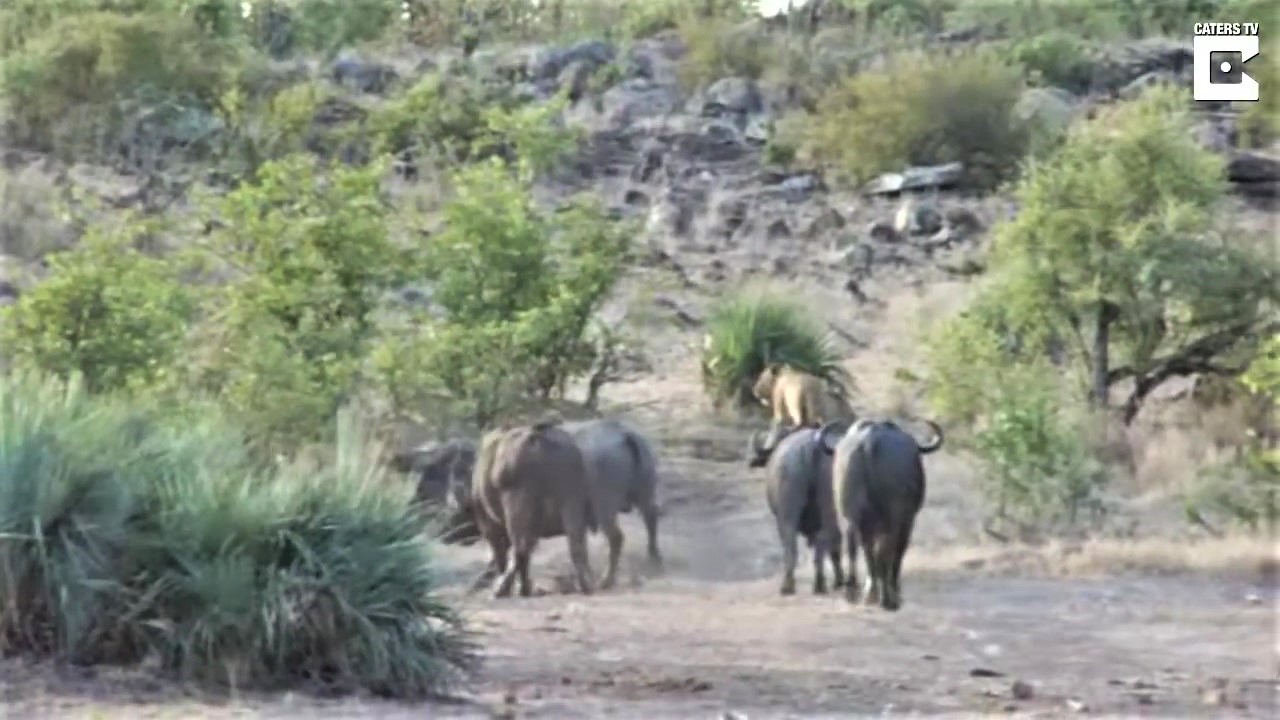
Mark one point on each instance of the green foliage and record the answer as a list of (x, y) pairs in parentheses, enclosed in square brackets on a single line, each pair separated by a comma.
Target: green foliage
[(128, 534), (718, 47), (441, 117), (310, 257), (1039, 467), (70, 87), (921, 110), (106, 311), (1119, 217), (516, 288), (1247, 490), (1105, 20), (748, 331), (1058, 59)]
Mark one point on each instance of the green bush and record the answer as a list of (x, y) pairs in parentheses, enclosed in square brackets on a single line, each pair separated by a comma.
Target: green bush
[(721, 46), (124, 534), (748, 331), (1246, 490), (106, 311), (516, 289), (1058, 59), (921, 110), (308, 252), (69, 88), (441, 117)]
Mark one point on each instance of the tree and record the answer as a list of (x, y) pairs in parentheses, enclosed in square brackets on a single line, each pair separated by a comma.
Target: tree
[(1114, 253), (107, 312), (309, 255)]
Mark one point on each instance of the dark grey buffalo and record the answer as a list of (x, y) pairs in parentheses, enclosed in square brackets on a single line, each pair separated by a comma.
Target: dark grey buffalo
[(798, 490), (879, 484), (622, 469), (624, 472), (441, 469)]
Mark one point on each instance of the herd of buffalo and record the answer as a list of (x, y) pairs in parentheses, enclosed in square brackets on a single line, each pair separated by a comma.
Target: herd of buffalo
[(829, 476)]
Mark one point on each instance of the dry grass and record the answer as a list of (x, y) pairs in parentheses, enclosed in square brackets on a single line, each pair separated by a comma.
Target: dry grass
[(1239, 556)]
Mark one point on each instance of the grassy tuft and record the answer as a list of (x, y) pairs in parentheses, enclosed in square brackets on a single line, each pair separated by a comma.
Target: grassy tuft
[(126, 534), (748, 331)]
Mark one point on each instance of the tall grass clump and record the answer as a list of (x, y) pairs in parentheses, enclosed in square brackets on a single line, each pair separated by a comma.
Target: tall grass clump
[(168, 540), (748, 331)]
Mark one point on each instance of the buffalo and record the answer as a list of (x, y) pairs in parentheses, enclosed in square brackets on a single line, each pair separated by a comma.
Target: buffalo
[(529, 483), (798, 490), (624, 474), (879, 485)]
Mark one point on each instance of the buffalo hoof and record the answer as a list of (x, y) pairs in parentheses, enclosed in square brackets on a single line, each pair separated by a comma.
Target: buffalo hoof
[(788, 587), (851, 593), (819, 587)]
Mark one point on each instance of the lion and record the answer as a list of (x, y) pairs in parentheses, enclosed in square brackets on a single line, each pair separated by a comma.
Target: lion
[(798, 398)]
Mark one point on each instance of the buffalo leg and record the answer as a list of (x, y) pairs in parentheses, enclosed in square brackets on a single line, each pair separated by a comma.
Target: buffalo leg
[(649, 511), (787, 535), (871, 559), (894, 594), (851, 589), (837, 571), (820, 553), (522, 526), (613, 534), (574, 521), (500, 549)]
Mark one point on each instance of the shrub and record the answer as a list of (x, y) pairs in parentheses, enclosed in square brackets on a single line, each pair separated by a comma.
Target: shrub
[(1058, 59), (748, 331), (126, 533), (1246, 490), (106, 311), (310, 256), (718, 47), (440, 116), (921, 110), (69, 87), (516, 289)]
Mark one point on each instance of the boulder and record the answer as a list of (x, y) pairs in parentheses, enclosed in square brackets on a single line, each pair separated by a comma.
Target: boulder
[(916, 178), (361, 75)]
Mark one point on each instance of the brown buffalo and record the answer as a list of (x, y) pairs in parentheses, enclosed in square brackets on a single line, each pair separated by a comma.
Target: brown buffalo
[(529, 483)]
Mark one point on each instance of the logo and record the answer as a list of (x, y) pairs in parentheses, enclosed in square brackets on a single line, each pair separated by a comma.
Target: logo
[(1219, 53)]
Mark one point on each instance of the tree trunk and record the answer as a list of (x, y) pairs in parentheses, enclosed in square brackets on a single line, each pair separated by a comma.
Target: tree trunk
[(1101, 354)]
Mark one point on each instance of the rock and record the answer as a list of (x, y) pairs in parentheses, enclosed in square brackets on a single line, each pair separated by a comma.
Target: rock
[(881, 231), (635, 198), (1048, 111), (548, 63), (1077, 705), (654, 58), (778, 230), (917, 218), (757, 129), (1255, 175), (1217, 132), (827, 222), (798, 188), (733, 98), (363, 76), (1139, 85), (916, 178), (1124, 64), (981, 672), (576, 76), (632, 100), (1021, 690), (962, 220), (8, 293)]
